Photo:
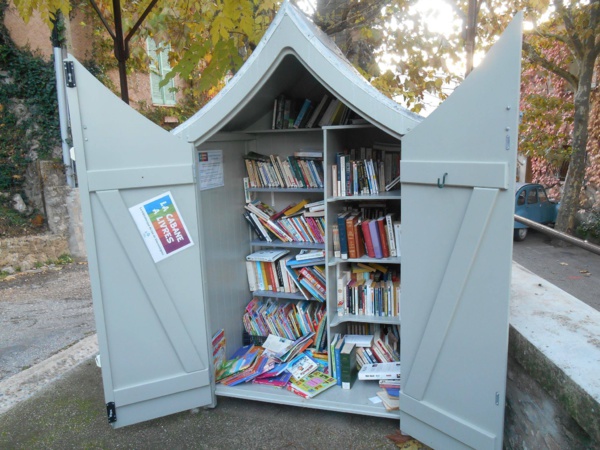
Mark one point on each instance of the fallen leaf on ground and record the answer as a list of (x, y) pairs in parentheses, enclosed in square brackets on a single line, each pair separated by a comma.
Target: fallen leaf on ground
[(564, 264)]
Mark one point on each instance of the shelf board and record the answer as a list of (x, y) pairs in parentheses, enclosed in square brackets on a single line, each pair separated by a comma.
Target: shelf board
[(355, 400), (336, 320), (280, 244), (303, 190), (365, 259), (286, 130), (389, 195), (288, 295)]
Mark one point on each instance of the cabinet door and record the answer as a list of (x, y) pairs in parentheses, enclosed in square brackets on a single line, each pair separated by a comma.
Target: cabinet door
[(150, 316), (458, 172)]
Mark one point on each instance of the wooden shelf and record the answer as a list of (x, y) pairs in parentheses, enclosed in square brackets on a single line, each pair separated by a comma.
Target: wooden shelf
[(355, 400), (281, 244), (335, 320), (302, 190)]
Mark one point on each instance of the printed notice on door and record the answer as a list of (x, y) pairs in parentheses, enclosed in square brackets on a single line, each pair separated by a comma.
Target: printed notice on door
[(161, 226), (210, 169)]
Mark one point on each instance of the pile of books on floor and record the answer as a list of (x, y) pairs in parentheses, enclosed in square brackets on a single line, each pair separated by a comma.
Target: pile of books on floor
[(302, 170), (297, 222), (280, 363)]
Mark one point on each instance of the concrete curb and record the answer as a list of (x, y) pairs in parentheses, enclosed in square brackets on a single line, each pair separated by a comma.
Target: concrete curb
[(28, 382)]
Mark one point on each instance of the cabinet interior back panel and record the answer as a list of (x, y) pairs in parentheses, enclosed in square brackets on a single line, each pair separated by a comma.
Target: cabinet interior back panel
[(225, 243)]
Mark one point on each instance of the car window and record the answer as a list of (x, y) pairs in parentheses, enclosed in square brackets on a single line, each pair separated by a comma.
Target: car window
[(542, 195), (521, 198), (532, 196)]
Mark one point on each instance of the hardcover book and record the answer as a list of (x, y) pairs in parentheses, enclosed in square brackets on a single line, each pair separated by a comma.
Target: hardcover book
[(314, 383), (380, 371), (348, 365)]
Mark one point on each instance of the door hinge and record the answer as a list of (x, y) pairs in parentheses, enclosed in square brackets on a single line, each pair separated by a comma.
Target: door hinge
[(111, 412), (70, 74)]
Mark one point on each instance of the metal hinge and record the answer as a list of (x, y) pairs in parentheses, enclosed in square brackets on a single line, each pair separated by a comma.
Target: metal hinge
[(70, 73), (111, 412)]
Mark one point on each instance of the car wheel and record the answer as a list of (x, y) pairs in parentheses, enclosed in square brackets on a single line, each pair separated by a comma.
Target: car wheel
[(520, 234)]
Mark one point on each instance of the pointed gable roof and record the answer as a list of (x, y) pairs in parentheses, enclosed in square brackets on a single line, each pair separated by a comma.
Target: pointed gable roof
[(294, 56)]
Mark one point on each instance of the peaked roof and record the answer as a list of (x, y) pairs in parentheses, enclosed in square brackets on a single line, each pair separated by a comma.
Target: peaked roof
[(293, 55)]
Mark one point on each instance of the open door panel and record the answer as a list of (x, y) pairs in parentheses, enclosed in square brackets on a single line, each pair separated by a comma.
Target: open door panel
[(149, 307), (458, 172)]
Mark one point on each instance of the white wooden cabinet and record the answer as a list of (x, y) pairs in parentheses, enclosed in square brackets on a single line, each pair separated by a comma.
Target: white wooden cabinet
[(155, 319)]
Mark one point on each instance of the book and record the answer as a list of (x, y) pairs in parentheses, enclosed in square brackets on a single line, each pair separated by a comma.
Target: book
[(338, 360), (303, 111), (351, 221), (383, 237), (389, 228), (342, 232), (310, 254), (367, 237), (335, 234), (301, 366), (380, 371), (313, 384), (267, 255), (389, 403), (374, 231), (317, 112), (360, 340), (348, 365), (219, 347), (398, 235)]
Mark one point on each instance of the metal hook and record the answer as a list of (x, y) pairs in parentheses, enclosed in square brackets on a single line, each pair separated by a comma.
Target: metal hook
[(443, 183)]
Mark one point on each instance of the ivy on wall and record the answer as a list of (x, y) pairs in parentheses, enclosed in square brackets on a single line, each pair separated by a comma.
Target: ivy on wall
[(28, 110)]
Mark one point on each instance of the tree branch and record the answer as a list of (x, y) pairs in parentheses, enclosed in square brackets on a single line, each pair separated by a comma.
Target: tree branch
[(138, 23), (350, 18), (111, 32), (538, 59), (565, 14)]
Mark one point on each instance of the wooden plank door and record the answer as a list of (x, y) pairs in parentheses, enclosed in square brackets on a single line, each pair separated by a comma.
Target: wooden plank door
[(149, 305), (458, 173)]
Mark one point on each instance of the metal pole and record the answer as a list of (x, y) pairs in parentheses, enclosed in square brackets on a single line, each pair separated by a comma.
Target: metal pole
[(62, 115), (120, 51), (559, 235)]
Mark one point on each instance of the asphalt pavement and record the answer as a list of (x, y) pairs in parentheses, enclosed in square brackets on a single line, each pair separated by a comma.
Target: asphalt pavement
[(571, 268), (43, 314)]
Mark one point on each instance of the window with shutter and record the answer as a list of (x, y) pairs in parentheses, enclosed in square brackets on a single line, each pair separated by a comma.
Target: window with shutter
[(159, 68)]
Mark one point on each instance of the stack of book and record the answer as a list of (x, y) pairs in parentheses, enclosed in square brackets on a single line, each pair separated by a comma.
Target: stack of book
[(390, 395), (290, 320), (368, 289), (294, 223), (266, 271), (366, 171), (274, 171), (306, 113), (356, 235), (309, 275)]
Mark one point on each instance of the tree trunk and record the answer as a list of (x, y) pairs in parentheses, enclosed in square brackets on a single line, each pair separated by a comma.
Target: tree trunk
[(569, 204)]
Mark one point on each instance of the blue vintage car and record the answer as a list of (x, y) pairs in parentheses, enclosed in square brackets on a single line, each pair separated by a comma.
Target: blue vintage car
[(532, 203)]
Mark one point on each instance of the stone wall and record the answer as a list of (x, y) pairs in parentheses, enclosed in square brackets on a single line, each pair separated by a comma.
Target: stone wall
[(47, 192), (553, 387), (25, 253)]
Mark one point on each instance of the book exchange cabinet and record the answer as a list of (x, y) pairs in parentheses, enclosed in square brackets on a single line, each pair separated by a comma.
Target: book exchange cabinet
[(167, 239)]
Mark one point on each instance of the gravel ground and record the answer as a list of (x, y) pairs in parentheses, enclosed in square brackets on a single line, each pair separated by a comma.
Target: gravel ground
[(41, 313)]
